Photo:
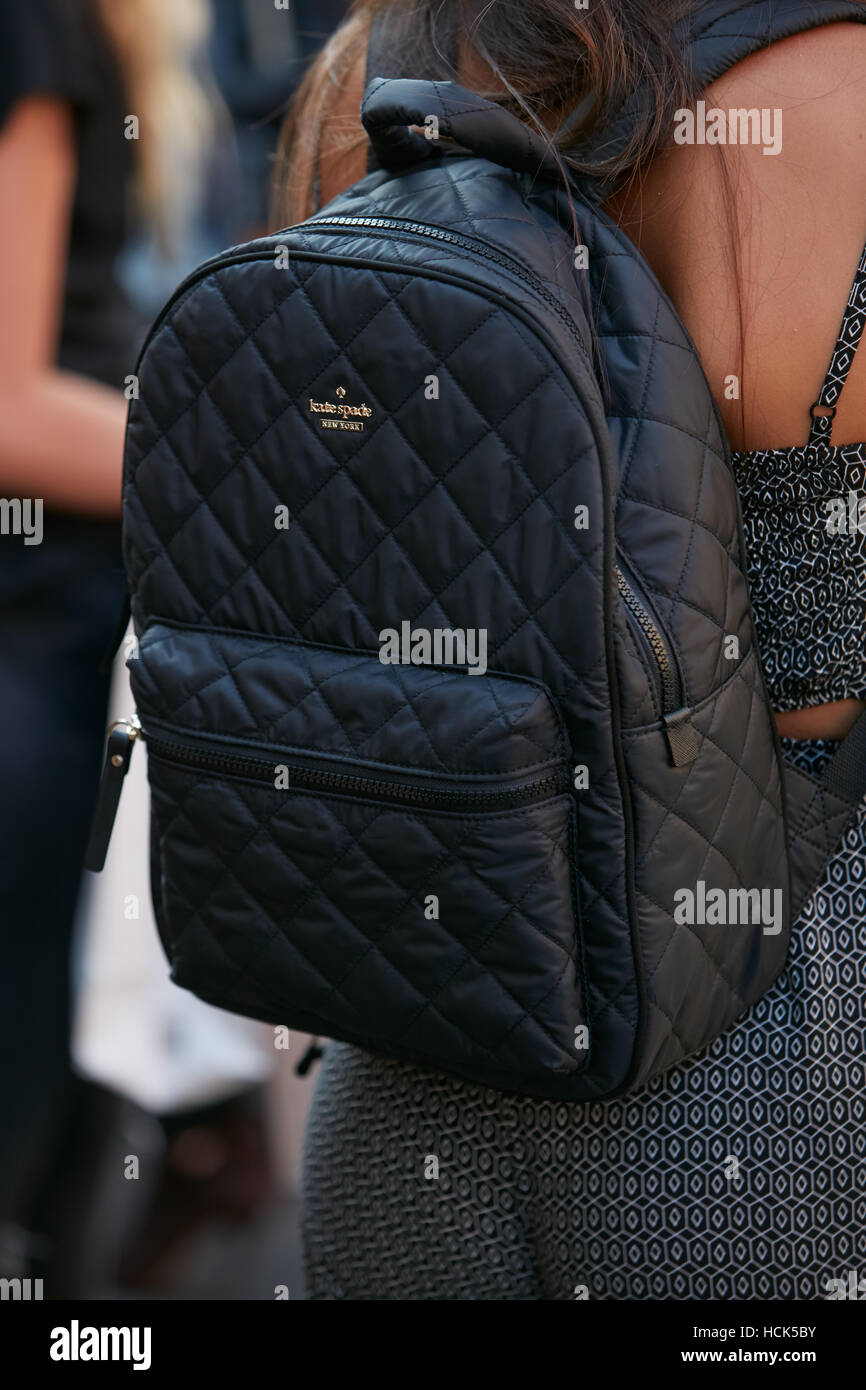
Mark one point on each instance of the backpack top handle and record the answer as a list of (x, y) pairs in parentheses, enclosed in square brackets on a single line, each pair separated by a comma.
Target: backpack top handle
[(452, 114)]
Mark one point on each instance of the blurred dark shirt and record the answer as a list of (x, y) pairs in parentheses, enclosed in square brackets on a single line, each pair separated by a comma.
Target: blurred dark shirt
[(57, 48)]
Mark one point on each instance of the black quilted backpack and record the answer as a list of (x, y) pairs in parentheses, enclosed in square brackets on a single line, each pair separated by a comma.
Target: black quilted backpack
[(457, 734)]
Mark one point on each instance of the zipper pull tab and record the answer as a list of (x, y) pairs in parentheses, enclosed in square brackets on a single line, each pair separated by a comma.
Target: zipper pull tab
[(121, 740), (681, 737)]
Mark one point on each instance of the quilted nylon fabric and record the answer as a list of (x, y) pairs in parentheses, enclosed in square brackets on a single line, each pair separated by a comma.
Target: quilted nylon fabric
[(464, 507), (411, 378), (738, 1175), (232, 848)]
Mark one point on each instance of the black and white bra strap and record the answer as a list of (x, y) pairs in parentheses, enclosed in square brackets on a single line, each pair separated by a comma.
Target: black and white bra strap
[(853, 322)]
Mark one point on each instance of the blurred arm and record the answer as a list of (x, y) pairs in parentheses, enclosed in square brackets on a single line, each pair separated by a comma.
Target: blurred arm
[(61, 435)]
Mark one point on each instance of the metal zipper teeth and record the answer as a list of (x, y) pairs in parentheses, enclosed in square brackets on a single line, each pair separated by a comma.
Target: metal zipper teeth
[(478, 248), (314, 779), (654, 637)]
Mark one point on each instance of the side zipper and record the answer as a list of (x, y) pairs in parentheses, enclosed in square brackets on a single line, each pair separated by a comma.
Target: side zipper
[(676, 717)]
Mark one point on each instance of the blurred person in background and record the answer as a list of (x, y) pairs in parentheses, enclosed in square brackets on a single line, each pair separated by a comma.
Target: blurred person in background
[(99, 119), (258, 60), (118, 178), (217, 1166), (199, 1070)]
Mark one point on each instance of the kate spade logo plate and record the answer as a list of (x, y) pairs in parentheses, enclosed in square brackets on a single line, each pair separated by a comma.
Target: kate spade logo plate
[(339, 414)]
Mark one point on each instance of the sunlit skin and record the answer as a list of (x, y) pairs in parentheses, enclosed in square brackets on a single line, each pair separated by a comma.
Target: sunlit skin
[(802, 224)]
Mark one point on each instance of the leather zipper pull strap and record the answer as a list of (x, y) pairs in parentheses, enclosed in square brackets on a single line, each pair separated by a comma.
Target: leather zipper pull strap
[(118, 753), (681, 737)]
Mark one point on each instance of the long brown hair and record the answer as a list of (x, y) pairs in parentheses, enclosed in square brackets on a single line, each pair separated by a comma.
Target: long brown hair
[(544, 61)]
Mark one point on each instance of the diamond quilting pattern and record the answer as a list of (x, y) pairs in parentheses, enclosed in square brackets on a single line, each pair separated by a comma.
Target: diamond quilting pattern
[(296, 695), (635, 1198), (273, 863), (456, 510), (338, 593)]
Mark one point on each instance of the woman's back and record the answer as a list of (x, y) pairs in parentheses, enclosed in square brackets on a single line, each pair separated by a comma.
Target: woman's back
[(731, 1177), (799, 224), (766, 246)]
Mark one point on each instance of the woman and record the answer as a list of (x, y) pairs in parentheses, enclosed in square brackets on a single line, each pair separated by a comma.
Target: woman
[(737, 1174), (95, 106)]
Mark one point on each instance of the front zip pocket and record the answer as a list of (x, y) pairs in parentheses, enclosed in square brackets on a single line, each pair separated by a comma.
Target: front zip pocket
[(383, 854), (301, 775)]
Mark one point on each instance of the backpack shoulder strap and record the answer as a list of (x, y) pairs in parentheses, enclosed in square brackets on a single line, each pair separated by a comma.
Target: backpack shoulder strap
[(820, 810), (725, 31), (845, 774), (716, 36)]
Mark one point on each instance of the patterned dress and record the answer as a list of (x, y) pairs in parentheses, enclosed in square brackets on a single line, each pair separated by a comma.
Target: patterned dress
[(740, 1174)]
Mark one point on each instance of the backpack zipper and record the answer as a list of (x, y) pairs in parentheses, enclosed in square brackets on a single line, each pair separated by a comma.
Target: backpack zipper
[(474, 246), (663, 659), (123, 735), (352, 784), (679, 731)]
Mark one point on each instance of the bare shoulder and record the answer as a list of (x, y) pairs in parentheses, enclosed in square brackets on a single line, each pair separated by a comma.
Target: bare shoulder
[(817, 80), (806, 66), (765, 205)]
